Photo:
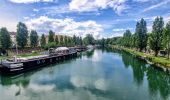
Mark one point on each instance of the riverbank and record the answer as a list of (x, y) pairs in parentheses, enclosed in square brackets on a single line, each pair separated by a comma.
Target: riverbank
[(25, 55), (160, 62)]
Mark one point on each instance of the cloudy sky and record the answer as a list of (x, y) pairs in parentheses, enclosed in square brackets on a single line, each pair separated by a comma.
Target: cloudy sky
[(102, 18)]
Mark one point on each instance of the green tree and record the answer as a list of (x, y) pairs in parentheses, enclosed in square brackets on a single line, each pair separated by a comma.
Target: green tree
[(51, 36), (57, 40), (127, 38), (155, 39), (22, 35), (141, 35), (89, 39), (5, 38), (81, 41), (166, 38), (34, 38), (61, 40), (66, 41), (43, 40), (70, 42), (102, 42), (75, 40), (134, 41)]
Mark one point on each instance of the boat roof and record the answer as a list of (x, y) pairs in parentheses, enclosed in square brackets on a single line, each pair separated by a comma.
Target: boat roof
[(61, 48)]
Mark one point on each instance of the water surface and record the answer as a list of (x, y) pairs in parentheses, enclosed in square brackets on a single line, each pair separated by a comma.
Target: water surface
[(94, 75)]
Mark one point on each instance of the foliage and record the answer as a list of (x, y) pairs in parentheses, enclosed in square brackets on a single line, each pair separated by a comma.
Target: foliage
[(50, 45), (51, 36), (156, 60), (166, 37), (89, 39), (29, 54), (127, 38), (61, 40), (56, 40), (33, 38), (155, 39), (22, 35), (5, 39), (141, 35), (43, 40)]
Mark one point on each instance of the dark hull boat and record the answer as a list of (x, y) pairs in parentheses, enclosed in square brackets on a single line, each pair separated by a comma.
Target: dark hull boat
[(17, 67)]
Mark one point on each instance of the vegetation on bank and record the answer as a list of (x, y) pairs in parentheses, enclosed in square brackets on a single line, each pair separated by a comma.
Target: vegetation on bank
[(29, 54), (153, 46), (156, 42), (159, 61)]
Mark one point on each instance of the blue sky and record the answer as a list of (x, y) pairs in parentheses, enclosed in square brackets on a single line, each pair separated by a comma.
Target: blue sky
[(102, 18)]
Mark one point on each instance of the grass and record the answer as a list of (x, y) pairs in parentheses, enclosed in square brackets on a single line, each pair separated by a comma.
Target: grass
[(28, 54), (25, 55), (159, 61), (3, 57)]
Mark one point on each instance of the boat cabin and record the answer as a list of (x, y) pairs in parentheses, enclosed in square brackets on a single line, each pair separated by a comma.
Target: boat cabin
[(62, 50)]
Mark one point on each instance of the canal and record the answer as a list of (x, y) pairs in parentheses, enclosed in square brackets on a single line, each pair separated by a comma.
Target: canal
[(93, 75)]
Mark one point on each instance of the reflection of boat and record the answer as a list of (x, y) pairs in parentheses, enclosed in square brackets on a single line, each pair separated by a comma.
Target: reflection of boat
[(19, 65), (90, 47)]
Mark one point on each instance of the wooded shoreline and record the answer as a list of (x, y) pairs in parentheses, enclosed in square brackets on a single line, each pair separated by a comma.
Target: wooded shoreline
[(159, 62)]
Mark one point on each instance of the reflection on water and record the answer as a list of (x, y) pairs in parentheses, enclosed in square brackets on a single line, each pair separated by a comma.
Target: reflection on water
[(101, 74)]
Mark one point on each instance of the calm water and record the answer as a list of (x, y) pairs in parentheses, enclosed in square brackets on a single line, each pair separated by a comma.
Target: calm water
[(95, 75)]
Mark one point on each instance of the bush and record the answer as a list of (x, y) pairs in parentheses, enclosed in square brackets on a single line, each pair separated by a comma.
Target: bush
[(50, 45)]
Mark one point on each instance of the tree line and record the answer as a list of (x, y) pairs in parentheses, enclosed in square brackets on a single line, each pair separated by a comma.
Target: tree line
[(142, 40), (24, 38)]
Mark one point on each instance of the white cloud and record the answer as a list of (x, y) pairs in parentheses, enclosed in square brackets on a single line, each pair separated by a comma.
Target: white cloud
[(65, 26), (120, 31), (141, 0), (36, 10), (156, 5), (117, 29), (93, 5), (30, 1)]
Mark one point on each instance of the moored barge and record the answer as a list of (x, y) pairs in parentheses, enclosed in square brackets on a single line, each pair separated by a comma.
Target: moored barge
[(20, 65)]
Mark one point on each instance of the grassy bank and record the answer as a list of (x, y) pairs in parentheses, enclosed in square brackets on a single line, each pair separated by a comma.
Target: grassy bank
[(25, 55), (158, 61), (28, 54)]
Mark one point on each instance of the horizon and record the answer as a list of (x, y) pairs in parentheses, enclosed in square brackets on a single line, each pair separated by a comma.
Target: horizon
[(101, 18)]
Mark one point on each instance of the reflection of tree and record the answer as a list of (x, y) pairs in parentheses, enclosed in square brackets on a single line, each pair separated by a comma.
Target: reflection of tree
[(138, 70), (22, 80), (137, 66), (90, 53), (158, 81), (127, 59)]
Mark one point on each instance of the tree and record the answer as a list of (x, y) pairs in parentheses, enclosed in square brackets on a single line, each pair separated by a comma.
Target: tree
[(102, 42), (134, 41), (155, 39), (61, 40), (5, 38), (166, 37), (51, 36), (127, 38), (43, 40), (22, 35), (81, 41), (57, 40), (66, 40), (89, 39), (141, 35), (70, 41), (34, 38)]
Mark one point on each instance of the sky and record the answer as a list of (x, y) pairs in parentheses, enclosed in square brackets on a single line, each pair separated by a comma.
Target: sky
[(101, 18)]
